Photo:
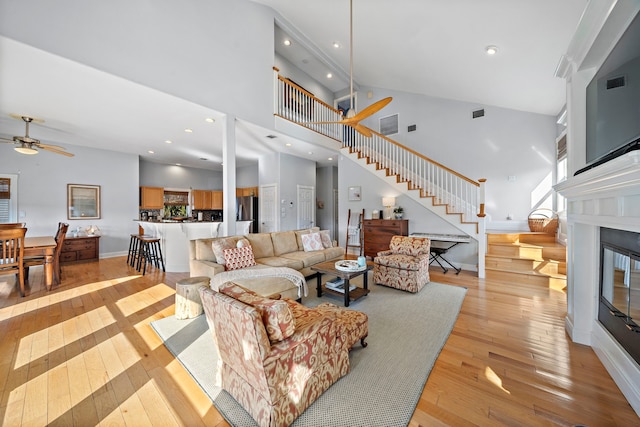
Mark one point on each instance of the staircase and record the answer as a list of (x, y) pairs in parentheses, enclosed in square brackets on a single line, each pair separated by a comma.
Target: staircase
[(528, 257), (455, 198)]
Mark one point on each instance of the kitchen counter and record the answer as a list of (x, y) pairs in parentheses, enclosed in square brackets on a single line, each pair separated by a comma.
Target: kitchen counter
[(174, 239)]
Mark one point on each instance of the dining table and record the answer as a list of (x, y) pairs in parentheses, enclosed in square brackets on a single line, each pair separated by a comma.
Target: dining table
[(42, 246)]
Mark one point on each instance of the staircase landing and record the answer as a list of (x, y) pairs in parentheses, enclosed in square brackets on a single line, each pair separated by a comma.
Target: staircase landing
[(526, 257)]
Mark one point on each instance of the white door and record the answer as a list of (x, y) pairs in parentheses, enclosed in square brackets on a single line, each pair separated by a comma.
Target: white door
[(268, 211), (306, 206)]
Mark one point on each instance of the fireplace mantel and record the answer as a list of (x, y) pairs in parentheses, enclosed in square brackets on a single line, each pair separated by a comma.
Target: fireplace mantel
[(605, 196)]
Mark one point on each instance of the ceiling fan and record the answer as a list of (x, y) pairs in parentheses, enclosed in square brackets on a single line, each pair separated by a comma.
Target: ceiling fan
[(28, 145), (353, 119)]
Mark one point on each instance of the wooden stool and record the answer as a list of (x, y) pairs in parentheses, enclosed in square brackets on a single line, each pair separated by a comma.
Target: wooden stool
[(188, 302), (134, 249), (149, 252)]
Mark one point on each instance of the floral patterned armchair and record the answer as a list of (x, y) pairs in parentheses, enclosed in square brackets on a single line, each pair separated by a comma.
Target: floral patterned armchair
[(276, 357), (405, 265)]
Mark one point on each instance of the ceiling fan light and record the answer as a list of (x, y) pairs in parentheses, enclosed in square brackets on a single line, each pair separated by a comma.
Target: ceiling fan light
[(26, 150)]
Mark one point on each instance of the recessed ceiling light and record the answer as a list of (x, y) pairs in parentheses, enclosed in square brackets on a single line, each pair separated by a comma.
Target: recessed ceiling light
[(178, 164), (491, 50), (168, 141), (310, 152), (288, 144), (330, 158), (329, 75), (287, 42), (150, 152), (336, 45), (209, 120), (188, 130), (203, 158)]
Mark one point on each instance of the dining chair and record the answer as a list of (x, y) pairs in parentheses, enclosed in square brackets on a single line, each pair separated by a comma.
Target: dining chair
[(39, 260), (12, 254)]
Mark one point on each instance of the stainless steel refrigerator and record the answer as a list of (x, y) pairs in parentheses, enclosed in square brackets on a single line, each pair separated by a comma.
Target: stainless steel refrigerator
[(247, 210)]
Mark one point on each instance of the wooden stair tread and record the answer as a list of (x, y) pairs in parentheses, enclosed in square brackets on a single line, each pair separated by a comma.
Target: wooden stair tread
[(529, 273), (555, 261)]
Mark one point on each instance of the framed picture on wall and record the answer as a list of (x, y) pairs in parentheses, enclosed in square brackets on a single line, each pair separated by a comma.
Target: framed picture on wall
[(355, 194), (83, 201)]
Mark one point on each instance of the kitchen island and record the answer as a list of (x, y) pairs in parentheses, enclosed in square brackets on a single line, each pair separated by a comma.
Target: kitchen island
[(174, 239)]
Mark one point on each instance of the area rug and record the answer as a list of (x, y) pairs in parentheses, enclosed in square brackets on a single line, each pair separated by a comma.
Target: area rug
[(406, 334)]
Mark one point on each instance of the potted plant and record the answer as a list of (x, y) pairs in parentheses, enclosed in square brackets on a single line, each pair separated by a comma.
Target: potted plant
[(398, 212)]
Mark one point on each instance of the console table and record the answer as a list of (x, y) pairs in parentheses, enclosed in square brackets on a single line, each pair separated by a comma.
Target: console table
[(81, 248), (378, 234)]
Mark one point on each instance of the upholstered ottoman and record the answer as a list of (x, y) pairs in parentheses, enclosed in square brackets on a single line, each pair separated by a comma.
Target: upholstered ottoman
[(354, 324)]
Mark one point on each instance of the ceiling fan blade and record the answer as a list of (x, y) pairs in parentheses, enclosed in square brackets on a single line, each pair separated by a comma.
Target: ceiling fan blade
[(362, 129), (7, 140), (46, 146), (370, 110), (55, 150)]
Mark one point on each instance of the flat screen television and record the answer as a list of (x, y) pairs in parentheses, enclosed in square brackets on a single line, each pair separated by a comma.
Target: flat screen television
[(613, 102)]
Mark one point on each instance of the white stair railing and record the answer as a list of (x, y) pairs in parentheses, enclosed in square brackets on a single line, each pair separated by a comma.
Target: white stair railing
[(462, 195)]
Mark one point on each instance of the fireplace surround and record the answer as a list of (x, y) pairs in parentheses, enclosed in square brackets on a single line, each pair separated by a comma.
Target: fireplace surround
[(606, 197)]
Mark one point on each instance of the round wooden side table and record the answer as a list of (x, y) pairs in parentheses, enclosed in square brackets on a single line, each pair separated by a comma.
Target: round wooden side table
[(188, 302)]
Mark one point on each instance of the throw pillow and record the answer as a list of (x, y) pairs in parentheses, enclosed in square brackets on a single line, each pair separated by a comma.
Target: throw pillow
[(326, 238), (276, 315), (218, 246), (312, 242), (242, 243), (239, 258)]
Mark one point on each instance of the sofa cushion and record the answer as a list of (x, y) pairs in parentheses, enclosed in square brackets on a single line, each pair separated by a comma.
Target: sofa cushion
[(312, 242), (307, 258), (284, 242), (325, 235), (281, 261), (276, 314), (333, 252), (242, 242), (261, 244), (239, 258), (219, 245)]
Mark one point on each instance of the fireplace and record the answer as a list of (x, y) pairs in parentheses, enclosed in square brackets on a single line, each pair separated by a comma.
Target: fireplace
[(619, 305), (603, 251)]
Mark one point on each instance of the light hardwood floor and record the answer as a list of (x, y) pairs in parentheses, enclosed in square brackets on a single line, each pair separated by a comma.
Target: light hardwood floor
[(84, 354)]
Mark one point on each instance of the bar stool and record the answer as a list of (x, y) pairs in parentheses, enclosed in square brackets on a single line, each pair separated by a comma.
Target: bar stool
[(134, 249), (149, 252)]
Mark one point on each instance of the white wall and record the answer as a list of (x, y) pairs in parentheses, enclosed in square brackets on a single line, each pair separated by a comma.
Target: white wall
[(42, 191), (289, 70), (178, 177)]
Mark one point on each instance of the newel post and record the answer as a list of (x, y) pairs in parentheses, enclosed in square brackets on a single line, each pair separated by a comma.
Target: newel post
[(481, 214)]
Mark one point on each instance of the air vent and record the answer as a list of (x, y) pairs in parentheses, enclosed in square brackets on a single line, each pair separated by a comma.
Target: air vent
[(478, 113), (411, 128), (616, 82), (389, 125)]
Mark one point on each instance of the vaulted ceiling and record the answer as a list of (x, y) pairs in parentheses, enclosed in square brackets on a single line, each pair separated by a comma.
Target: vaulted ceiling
[(430, 47)]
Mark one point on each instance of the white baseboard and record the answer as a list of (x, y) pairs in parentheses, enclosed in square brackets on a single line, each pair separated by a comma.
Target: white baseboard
[(508, 225)]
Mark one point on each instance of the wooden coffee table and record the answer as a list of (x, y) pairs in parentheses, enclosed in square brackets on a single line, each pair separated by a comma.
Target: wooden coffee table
[(329, 267)]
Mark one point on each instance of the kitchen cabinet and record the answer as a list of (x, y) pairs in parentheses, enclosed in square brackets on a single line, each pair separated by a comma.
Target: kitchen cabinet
[(216, 200), (151, 197), (247, 191), (378, 234), (206, 199)]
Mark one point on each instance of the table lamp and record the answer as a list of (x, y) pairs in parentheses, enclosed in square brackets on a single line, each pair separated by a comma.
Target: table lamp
[(388, 203)]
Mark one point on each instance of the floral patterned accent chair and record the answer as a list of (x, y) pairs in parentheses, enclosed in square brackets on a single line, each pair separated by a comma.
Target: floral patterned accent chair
[(405, 265), (277, 356)]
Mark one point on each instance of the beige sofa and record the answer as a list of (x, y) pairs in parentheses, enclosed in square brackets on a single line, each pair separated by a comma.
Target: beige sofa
[(278, 249)]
